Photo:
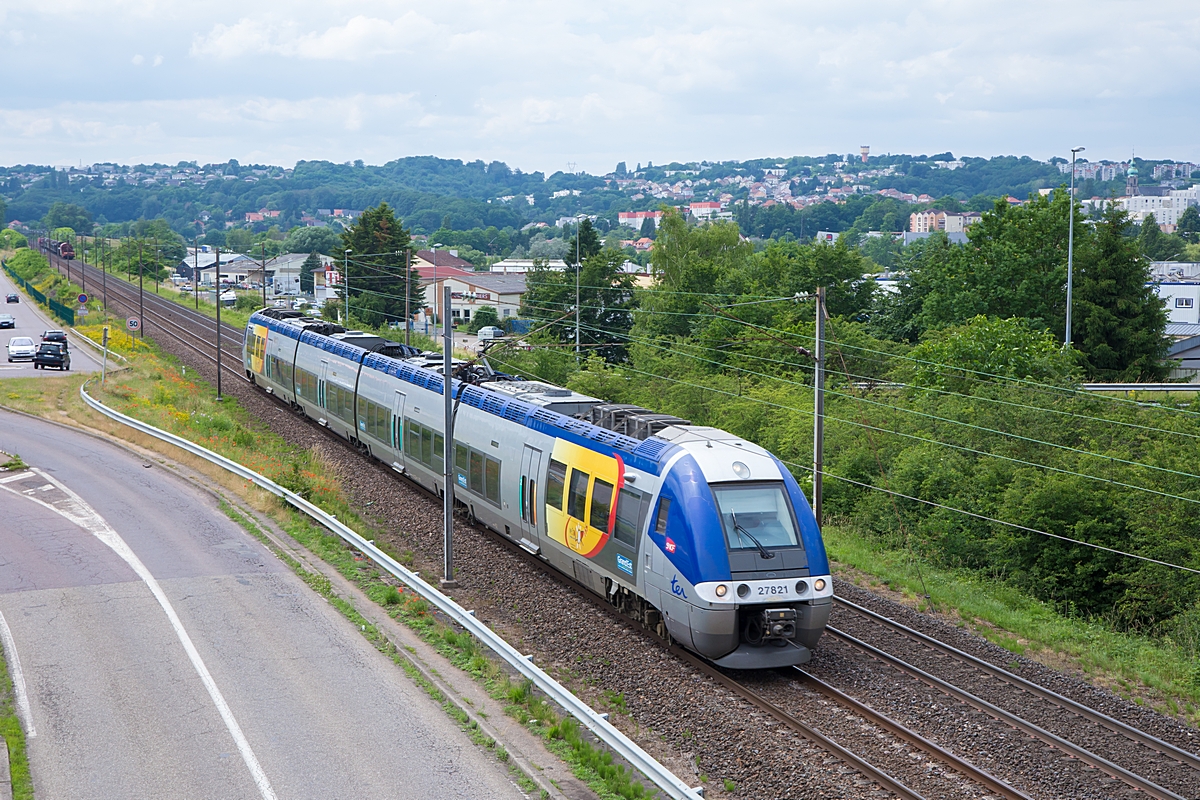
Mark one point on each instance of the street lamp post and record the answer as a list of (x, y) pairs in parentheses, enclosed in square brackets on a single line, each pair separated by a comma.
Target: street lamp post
[(1071, 243), (578, 269), (407, 293), (437, 292), (346, 281)]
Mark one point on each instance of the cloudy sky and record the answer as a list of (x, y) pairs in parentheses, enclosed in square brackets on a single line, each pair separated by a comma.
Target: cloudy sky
[(545, 84)]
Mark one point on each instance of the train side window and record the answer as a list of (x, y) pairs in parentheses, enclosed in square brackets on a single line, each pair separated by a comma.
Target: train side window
[(426, 446), (533, 502), (577, 497), (491, 480), (412, 439), (524, 503), (439, 454), (382, 418), (631, 513), (462, 461), (556, 477), (602, 492), (660, 522), (476, 472)]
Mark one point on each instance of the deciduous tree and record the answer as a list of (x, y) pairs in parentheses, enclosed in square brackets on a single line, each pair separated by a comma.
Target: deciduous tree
[(68, 215)]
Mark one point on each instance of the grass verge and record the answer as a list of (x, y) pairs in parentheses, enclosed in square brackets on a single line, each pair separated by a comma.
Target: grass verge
[(14, 736), (154, 389), (1145, 670)]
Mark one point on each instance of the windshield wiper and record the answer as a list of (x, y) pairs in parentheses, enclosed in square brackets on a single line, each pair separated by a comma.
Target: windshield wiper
[(762, 551)]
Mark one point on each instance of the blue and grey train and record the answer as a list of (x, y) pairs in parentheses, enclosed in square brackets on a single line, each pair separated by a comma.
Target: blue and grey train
[(699, 534)]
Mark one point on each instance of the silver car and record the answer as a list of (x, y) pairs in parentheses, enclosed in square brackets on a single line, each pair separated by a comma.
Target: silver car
[(21, 347)]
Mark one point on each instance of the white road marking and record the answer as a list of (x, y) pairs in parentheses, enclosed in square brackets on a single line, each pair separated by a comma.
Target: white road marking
[(18, 678), (79, 512), (20, 476)]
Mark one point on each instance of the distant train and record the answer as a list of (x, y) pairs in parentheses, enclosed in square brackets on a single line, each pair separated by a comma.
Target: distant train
[(694, 531), (60, 249)]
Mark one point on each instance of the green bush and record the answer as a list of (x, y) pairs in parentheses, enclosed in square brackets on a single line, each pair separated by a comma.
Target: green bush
[(12, 240), (29, 265)]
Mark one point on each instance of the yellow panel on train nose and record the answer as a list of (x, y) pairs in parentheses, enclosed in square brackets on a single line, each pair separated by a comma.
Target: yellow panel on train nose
[(571, 531)]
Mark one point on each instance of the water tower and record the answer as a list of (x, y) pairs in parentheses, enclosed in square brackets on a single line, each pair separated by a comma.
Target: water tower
[(865, 150)]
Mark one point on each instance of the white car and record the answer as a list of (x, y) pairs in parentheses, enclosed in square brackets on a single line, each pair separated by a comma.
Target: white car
[(21, 347), (490, 333)]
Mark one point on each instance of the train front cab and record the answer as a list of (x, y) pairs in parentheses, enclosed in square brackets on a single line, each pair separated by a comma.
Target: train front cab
[(739, 563)]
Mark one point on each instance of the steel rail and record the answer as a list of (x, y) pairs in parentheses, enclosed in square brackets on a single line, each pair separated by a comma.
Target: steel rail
[(166, 307), (127, 289), (960, 765), (1103, 720), (979, 704), (860, 764), (173, 328), (663, 778)]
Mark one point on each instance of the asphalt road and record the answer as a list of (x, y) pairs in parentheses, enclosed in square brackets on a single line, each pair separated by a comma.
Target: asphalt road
[(165, 653), (31, 321)]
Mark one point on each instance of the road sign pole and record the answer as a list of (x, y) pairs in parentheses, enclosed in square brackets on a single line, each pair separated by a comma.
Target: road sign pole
[(104, 366)]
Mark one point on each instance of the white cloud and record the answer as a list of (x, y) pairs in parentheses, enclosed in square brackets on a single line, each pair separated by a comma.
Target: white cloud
[(540, 82), (359, 38), (137, 60)]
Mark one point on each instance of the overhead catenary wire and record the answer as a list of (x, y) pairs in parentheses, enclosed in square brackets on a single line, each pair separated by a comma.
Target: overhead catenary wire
[(886, 356), (985, 518), (922, 414), (972, 514), (914, 437), (1000, 379)]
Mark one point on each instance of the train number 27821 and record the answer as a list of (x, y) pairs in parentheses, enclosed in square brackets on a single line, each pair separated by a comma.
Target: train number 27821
[(773, 590)]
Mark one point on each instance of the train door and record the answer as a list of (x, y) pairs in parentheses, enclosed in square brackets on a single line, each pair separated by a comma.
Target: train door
[(530, 498), (398, 431), (321, 383)]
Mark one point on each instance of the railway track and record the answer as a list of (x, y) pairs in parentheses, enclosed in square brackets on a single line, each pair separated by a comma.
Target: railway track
[(1120, 750), (835, 733), (192, 329)]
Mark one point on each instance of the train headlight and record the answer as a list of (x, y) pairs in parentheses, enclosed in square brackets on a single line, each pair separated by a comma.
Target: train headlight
[(819, 584), (801, 587), (722, 590), (743, 590), (741, 470)]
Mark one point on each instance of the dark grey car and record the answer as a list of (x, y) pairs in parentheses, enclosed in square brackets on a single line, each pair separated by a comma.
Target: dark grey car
[(52, 354)]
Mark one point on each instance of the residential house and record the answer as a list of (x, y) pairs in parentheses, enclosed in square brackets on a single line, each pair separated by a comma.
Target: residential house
[(470, 291), (440, 258)]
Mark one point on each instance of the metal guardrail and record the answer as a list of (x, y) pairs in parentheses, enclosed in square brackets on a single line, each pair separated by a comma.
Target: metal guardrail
[(659, 775), (65, 313)]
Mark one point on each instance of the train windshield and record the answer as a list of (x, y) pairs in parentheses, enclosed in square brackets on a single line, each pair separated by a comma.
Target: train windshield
[(755, 515)]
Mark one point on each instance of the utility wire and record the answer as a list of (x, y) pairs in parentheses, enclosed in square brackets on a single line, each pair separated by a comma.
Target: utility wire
[(914, 437), (901, 495), (913, 412), (985, 518)]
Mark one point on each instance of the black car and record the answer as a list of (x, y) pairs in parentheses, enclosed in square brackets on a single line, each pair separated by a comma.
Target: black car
[(55, 336), (52, 354), (13, 298), (7, 321)]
